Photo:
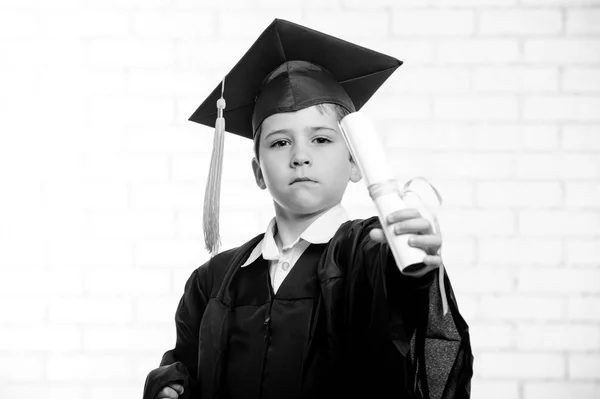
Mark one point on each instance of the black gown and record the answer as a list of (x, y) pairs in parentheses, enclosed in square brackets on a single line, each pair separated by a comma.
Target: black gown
[(344, 323)]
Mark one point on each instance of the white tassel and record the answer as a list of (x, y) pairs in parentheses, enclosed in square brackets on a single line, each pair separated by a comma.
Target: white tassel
[(212, 194)]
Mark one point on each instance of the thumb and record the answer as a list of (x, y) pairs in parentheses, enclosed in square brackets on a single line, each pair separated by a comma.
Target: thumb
[(177, 388)]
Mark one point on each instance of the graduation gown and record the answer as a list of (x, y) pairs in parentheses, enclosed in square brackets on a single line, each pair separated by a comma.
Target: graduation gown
[(344, 323)]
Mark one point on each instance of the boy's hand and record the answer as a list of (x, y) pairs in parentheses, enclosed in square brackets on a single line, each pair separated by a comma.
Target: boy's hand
[(171, 391), (409, 221)]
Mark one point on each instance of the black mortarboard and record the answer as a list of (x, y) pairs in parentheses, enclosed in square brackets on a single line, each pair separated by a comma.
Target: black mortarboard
[(290, 67), (260, 74)]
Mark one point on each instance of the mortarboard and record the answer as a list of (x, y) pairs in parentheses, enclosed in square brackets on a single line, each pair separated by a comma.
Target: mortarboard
[(288, 68)]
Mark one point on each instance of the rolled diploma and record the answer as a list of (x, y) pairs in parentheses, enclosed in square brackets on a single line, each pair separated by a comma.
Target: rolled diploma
[(366, 149)]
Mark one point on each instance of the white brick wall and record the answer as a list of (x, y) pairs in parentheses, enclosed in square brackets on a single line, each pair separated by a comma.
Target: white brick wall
[(102, 176)]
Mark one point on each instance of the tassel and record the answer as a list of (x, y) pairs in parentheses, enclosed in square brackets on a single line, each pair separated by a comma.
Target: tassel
[(212, 194)]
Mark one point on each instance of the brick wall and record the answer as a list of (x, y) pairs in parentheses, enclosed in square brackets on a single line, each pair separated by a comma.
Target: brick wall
[(102, 176)]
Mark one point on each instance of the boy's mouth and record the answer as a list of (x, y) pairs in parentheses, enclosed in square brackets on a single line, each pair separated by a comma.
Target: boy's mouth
[(301, 179)]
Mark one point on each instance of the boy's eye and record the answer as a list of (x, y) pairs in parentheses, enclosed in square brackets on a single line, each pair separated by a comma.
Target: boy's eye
[(279, 143), (322, 140)]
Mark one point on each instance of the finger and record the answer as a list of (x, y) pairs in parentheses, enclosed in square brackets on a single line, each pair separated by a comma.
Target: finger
[(377, 235), (429, 243), (402, 214), (432, 260), (167, 393), (177, 388), (418, 225)]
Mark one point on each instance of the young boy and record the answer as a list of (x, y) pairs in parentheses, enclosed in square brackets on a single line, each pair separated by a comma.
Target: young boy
[(315, 307)]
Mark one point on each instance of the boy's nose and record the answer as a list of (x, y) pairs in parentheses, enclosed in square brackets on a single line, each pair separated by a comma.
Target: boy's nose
[(300, 158)]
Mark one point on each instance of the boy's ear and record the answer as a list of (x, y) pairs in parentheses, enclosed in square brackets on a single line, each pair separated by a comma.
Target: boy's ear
[(355, 175), (258, 176)]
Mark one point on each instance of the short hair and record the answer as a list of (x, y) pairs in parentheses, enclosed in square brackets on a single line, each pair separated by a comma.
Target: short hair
[(325, 108)]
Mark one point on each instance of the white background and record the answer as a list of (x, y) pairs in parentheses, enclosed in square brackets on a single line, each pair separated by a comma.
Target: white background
[(102, 176)]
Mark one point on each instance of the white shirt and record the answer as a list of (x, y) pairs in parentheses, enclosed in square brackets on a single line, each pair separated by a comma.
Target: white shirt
[(282, 261)]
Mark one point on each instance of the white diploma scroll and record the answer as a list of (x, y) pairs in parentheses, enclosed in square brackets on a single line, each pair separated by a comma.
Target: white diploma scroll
[(366, 149)]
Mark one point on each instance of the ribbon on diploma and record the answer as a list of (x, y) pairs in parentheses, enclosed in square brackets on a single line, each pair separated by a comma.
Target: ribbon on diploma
[(422, 198)]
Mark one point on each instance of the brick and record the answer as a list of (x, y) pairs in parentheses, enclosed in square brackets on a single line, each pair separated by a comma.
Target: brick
[(124, 52), (493, 389), (521, 307), (520, 22), (558, 280), (16, 248), (170, 253), (581, 80), (558, 337), (71, 368), (191, 169), (351, 25), (583, 21), (477, 51), (399, 108), (97, 310), (12, 366), (476, 108), (584, 308), (581, 138), (520, 251), (19, 24), (558, 223), (359, 4), (127, 4), (474, 222), (584, 366), (101, 167), (455, 193), (582, 252), (41, 284), (173, 24), (519, 194), (482, 165), (168, 82), (166, 196), (157, 309), (131, 224), (29, 339), (127, 282), (458, 251), (111, 390), (483, 280), (75, 254), (562, 389), (433, 22), (141, 110), (28, 311), (127, 339), (424, 80), (561, 51), (104, 195), (42, 390), (84, 23), (490, 335), (582, 194), (473, 3), (521, 365), (515, 79), (563, 108), (168, 140), (557, 166)]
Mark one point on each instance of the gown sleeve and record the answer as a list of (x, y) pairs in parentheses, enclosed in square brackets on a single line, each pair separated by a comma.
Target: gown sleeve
[(411, 347), (179, 365)]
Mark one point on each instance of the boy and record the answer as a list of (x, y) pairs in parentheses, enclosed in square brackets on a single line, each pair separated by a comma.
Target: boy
[(316, 306)]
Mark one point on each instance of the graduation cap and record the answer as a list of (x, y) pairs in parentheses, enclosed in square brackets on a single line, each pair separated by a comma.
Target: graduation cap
[(288, 68)]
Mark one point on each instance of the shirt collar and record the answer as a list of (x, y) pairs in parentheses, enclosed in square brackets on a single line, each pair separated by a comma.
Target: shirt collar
[(319, 232)]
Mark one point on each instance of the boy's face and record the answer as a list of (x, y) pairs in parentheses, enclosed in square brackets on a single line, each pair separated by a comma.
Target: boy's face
[(304, 161)]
